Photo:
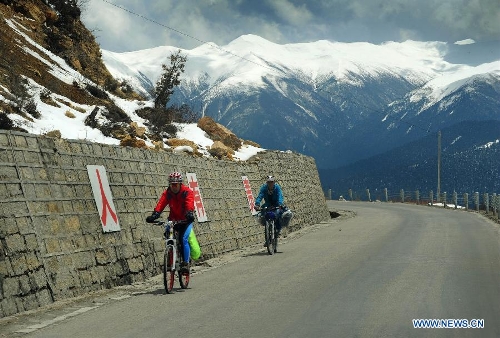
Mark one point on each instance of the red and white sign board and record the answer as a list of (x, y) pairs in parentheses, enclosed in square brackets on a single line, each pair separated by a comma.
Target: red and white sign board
[(248, 192), (103, 198), (201, 215)]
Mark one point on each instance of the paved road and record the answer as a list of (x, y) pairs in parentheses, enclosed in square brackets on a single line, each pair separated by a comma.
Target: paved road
[(363, 276)]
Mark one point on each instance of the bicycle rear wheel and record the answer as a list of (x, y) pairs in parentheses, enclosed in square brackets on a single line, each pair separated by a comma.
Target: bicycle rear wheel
[(169, 269), (270, 243), (184, 279)]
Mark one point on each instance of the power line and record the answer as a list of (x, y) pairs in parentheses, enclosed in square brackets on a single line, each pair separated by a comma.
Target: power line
[(185, 34), (258, 64)]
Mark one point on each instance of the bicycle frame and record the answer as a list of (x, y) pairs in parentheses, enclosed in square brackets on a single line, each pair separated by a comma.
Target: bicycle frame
[(171, 240), (172, 258), (270, 232)]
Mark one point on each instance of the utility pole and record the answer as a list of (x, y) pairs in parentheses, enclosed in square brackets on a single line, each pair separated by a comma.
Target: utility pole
[(438, 194)]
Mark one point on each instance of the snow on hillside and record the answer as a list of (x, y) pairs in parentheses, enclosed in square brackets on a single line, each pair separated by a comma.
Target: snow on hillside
[(248, 58), (441, 86), (70, 122)]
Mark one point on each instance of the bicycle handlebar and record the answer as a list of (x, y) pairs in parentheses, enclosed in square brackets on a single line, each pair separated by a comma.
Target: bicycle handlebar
[(159, 222), (263, 209)]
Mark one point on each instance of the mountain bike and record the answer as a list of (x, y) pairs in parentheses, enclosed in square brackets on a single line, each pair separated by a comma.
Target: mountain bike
[(270, 231), (173, 257)]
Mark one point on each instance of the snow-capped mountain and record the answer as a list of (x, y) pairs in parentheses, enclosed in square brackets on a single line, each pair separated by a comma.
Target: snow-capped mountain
[(338, 102)]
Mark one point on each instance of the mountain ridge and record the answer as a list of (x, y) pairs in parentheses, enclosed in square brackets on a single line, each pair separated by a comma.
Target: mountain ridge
[(337, 102), (467, 165), (344, 86)]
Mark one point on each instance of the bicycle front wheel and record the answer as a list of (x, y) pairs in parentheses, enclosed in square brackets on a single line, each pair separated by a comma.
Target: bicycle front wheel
[(275, 247), (183, 274), (169, 269), (270, 243)]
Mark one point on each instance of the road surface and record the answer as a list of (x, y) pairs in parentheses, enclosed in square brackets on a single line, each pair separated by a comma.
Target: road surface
[(364, 276)]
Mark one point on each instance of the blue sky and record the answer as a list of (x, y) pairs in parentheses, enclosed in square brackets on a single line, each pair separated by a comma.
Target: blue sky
[(128, 25)]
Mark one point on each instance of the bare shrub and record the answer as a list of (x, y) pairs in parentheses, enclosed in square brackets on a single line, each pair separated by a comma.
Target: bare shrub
[(31, 108), (5, 122)]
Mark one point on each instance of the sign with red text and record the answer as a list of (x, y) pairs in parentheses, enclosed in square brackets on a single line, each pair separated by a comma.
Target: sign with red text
[(192, 182), (248, 192), (103, 198)]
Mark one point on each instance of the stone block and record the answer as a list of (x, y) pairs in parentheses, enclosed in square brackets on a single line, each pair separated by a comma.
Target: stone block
[(38, 279), (77, 206), (68, 191), (55, 191), (13, 209), (14, 243), (32, 261), (18, 264), (105, 255), (9, 173), (44, 297), (26, 173), (4, 271), (52, 245), (12, 190), (54, 207), (98, 274), (11, 287), (42, 190), (135, 265), (72, 224), (25, 225), (58, 175), (8, 306), (24, 285)]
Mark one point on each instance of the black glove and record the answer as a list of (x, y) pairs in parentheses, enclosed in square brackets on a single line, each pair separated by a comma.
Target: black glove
[(189, 216), (256, 207), (155, 215)]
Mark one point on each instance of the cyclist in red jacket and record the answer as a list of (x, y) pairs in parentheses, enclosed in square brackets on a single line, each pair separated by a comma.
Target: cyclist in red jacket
[(180, 199)]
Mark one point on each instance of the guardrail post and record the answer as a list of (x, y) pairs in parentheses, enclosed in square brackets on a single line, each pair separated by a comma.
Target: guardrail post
[(402, 193), (466, 201), (329, 194), (494, 202), (386, 195), (368, 194), (498, 206), (444, 199), (476, 200), (417, 196), (486, 200), (455, 199), (350, 194), (431, 196)]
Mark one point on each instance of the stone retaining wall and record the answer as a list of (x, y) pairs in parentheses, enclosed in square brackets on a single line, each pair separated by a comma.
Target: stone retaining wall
[(51, 241)]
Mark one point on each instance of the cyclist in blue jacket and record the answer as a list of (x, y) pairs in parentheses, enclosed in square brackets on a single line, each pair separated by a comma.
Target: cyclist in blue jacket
[(272, 195)]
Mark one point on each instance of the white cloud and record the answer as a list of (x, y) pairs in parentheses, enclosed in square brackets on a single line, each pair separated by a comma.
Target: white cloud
[(465, 42)]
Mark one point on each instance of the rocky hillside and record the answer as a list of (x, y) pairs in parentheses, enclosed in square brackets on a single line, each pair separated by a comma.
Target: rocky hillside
[(34, 34), (47, 55)]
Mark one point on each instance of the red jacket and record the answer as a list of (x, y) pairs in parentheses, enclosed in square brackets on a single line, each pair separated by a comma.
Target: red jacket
[(179, 203)]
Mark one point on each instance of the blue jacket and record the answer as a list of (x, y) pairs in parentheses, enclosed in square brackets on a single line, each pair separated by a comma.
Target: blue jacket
[(270, 200)]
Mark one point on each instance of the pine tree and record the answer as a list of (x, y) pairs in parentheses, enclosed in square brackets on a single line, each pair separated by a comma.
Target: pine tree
[(169, 79)]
